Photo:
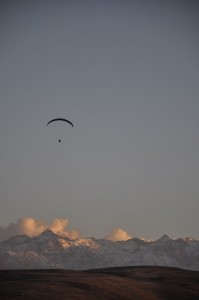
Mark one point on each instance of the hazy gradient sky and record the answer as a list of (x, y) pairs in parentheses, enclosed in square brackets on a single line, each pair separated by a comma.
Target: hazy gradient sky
[(126, 73)]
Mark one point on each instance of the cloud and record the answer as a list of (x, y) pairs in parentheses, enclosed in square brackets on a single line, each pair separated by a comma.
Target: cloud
[(33, 227), (118, 234), (146, 239)]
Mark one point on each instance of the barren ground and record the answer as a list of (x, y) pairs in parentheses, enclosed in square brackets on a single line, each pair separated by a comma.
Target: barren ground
[(140, 283)]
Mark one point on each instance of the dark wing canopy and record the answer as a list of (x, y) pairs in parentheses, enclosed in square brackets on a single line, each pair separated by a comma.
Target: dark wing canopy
[(60, 119)]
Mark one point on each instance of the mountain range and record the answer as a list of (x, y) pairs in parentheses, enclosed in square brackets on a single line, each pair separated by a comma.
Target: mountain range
[(51, 251)]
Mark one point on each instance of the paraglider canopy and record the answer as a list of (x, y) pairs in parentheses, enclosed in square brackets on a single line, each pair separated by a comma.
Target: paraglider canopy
[(60, 119)]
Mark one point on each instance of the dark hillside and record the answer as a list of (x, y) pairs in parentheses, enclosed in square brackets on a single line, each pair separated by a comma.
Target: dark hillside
[(140, 283)]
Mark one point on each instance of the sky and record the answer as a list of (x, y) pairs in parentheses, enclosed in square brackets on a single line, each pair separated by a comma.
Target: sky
[(126, 73)]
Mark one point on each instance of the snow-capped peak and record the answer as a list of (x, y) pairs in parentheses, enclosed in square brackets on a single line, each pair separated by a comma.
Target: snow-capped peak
[(48, 234), (164, 239), (49, 250)]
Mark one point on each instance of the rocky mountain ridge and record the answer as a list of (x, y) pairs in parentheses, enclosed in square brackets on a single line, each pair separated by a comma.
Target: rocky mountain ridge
[(52, 251)]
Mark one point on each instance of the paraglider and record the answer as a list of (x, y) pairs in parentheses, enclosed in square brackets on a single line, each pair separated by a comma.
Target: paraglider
[(60, 119)]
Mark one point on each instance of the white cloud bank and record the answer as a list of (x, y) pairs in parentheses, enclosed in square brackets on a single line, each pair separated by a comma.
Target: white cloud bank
[(33, 227), (118, 234)]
